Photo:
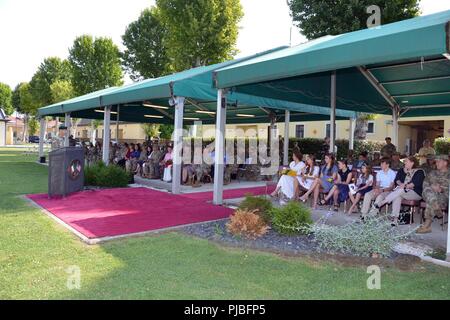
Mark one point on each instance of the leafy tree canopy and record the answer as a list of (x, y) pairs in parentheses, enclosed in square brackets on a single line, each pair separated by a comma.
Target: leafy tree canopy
[(51, 69), (61, 90), (200, 32), (95, 64), (27, 103), (145, 55), (6, 98), (317, 18)]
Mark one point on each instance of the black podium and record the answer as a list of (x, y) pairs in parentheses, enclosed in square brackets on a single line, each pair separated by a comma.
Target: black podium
[(65, 171)]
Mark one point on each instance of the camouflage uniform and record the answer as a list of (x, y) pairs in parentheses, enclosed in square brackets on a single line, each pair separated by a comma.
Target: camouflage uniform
[(388, 150), (435, 201), (200, 171), (252, 172), (151, 168), (396, 165)]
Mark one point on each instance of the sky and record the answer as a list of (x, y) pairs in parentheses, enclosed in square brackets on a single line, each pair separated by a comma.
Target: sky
[(31, 30)]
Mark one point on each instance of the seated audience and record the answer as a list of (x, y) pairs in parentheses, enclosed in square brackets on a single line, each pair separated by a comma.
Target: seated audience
[(134, 156), (286, 188), (339, 191), (362, 159), (166, 164), (408, 186), (145, 152), (396, 164), (435, 192), (376, 161), (385, 184), (429, 165), (309, 178), (151, 166), (363, 185), (328, 174)]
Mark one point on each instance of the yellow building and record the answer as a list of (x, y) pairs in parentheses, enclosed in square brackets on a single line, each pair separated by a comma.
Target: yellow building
[(412, 131), (128, 132)]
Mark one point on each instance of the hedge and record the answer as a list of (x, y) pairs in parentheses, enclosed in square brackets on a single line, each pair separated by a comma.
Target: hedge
[(442, 145)]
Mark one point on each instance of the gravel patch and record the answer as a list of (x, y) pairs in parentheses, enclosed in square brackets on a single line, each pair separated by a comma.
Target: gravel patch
[(271, 241), (298, 245)]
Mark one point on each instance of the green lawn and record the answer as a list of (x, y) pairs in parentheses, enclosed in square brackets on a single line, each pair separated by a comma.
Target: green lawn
[(35, 254)]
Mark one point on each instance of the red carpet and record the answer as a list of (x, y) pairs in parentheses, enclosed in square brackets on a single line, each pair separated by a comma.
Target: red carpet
[(113, 212), (230, 194)]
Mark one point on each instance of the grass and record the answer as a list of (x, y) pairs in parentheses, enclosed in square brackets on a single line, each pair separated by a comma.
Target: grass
[(36, 253)]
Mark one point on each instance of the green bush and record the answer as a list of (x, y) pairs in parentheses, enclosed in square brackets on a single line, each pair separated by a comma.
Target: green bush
[(291, 218), (100, 175), (442, 145), (314, 146), (261, 205)]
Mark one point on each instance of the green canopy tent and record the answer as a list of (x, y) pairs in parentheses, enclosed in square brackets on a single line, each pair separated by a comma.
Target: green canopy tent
[(184, 97), (401, 68)]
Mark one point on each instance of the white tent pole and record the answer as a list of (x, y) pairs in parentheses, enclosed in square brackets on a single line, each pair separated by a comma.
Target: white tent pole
[(351, 134), (333, 112), (67, 125), (106, 134), (41, 137), (395, 115), (178, 145), (220, 146), (287, 120)]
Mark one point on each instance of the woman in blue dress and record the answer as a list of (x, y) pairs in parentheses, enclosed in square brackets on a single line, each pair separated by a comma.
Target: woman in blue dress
[(340, 190), (328, 174)]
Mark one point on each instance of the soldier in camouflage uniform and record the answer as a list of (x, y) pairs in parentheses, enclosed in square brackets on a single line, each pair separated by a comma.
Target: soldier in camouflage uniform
[(388, 149), (435, 192), (151, 167), (430, 165)]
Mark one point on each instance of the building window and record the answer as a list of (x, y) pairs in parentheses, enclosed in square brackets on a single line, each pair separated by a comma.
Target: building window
[(371, 127), (300, 131), (328, 131)]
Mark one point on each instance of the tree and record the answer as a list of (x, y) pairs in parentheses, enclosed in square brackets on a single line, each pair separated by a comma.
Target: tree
[(166, 131), (151, 130), (146, 54), (317, 18), (50, 70), (25, 103), (6, 98), (200, 32), (33, 126), (95, 64), (61, 90)]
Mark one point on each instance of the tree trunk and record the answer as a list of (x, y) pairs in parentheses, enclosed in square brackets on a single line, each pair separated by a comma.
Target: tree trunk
[(361, 128), (25, 128)]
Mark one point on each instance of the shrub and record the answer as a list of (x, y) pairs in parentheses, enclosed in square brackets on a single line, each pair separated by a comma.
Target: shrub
[(442, 145), (374, 236), (314, 146), (100, 175), (291, 218), (247, 224), (260, 205)]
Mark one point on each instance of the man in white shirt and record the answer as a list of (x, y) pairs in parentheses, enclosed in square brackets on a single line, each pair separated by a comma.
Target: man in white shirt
[(385, 184)]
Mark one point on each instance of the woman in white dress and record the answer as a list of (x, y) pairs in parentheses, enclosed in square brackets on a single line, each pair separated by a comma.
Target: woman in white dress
[(309, 178), (286, 185)]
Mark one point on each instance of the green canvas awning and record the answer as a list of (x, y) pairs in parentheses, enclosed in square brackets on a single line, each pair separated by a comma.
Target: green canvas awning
[(409, 60), (149, 101)]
